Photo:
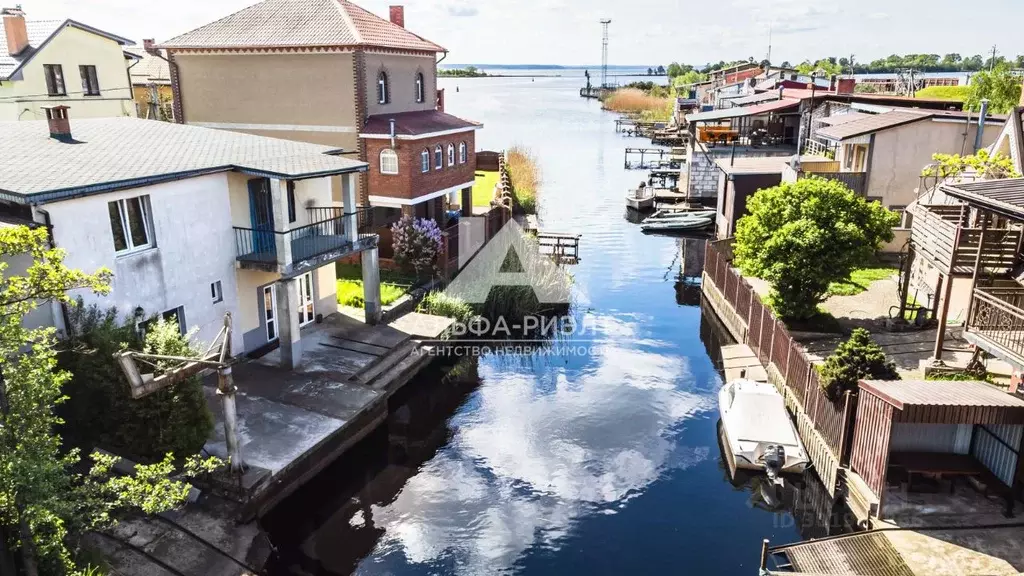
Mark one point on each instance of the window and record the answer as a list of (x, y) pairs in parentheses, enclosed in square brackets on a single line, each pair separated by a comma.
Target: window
[(425, 161), (54, 80), (305, 289), (130, 224), (291, 201), (174, 315), (463, 152), (419, 87), (451, 155), (216, 292), (388, 161), (270, 311), (90, 85), (438, 157), (383, 93)]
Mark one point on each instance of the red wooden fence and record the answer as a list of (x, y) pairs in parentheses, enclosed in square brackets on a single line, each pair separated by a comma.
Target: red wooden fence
[(771, 342)]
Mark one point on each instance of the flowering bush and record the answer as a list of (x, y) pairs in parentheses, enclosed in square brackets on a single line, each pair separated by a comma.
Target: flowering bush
[(417, 243)]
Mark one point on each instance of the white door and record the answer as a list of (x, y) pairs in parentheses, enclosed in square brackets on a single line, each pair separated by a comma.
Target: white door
[(306, 312), (270, 311)]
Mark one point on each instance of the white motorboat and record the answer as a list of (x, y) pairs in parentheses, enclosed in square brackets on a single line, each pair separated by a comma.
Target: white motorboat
[(675, 224), (641, 199), (677, 214), (758, 434)]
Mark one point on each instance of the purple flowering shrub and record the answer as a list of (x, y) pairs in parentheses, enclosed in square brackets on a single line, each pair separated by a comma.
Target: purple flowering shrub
[(417, 243)]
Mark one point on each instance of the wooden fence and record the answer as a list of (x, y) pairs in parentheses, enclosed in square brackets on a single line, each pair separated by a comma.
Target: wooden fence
[(768, 338)]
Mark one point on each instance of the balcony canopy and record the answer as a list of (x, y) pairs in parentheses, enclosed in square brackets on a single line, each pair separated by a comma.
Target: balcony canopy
[(1004, 197)]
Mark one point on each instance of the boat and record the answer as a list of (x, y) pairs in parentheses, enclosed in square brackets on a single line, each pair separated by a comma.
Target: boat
[(675, 224), (757, 430), (641, 199), (668, 214)]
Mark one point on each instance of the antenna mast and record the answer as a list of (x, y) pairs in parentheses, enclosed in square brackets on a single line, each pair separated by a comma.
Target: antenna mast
[(769, 44), (604, 53)]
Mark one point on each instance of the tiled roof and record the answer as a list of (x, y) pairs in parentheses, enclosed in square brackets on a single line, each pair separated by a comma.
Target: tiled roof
[(39, 32), (416, 123), (291, 23), (149, 68), (872, 123), (113, 153)]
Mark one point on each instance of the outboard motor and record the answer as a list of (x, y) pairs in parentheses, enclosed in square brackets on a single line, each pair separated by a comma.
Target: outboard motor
[(774, 460)]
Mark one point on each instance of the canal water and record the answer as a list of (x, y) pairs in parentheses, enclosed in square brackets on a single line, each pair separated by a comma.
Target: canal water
[(598, 459)]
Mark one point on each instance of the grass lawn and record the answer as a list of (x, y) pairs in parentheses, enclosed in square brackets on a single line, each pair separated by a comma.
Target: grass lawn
[(346, 271), (350, 293), (859, 281), (483, 187)]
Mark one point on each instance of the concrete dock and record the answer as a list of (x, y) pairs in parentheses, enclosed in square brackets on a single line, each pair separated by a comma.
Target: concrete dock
[(293, 423)]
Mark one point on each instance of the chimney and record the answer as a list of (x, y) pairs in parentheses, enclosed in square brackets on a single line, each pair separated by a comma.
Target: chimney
[(440, 99), (398, 15), (846, 86), (832, 83), (15, 30), (58, 119), (781, 88), (147, 45)]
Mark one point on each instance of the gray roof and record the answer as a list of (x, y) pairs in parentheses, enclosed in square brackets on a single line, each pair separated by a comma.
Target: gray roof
[(844, 118), (117, 153), (763, 165), (901, 393), (302, 23), (39, 33), (755, 98), (1004, 196), (872, 123)]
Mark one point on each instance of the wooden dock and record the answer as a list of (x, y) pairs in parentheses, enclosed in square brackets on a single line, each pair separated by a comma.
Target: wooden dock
[(649, 158), (563, 248)]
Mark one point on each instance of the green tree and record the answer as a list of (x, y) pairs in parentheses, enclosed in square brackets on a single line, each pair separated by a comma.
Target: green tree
[(856, 359), (989, 167), (1000, 87), (674, 70), (801, 236), (46, 499)]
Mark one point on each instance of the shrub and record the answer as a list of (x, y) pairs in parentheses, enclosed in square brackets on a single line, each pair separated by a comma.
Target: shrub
[(525, 176), (101, 410), (441, 304), (856, 359), (350, 293), (417, 243), (802, 236)]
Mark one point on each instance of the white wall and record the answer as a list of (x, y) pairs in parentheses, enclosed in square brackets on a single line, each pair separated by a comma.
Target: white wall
[(194, 247)]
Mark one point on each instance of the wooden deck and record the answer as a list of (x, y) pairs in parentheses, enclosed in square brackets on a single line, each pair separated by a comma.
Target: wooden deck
[(865, 554), (941, 236)]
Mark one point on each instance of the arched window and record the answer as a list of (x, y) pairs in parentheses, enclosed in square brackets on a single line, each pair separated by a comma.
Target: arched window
[(463, 152), (419, 87), (438, 157), (425, 160), (451, 155), (383, 92), (388, 161)]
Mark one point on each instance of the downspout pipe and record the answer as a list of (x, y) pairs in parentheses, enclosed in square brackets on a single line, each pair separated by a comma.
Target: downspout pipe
[(980, 133)]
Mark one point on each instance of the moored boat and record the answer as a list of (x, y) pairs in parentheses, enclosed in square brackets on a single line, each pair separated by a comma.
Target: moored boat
[(758, 434), (675, 224)]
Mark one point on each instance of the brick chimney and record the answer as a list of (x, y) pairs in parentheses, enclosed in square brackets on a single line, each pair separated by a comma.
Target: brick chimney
[(147, 45), (15, 30), (440, 99), (398, 15), (846, 86), (59, 120)]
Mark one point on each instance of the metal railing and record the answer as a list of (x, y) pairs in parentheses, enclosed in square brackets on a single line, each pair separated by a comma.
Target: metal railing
[(261, 246), (856, 181), (997, 315)]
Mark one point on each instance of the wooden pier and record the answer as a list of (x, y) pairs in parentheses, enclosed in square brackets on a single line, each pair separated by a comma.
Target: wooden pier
[(563, 248), (636, 127), (647, 158)]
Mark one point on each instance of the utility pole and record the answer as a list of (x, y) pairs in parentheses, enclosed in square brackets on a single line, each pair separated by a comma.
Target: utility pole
[(769, 45), (604, 53), (992, 62)]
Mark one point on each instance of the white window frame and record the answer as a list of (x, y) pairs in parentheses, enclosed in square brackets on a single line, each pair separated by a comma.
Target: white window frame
[(388, 161), (425, 161), (122, 210), (451, 154), (273, 312), (463, 152), (216, 292), (438, 157), (307, 307), (382, 88), (420, 92)]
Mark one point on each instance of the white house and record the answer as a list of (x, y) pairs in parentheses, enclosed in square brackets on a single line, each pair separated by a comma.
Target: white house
[(193, 222)]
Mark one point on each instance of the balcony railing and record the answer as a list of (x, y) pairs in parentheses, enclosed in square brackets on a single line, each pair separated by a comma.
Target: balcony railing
[(856, 181), (325, 235), (369, 219), (940, 234), (996, 322)]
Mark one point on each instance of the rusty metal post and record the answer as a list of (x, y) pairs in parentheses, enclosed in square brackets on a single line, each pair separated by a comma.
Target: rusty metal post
[(977, 267)]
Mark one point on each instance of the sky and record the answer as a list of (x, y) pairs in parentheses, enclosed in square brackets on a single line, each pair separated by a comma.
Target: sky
[(642, 32)]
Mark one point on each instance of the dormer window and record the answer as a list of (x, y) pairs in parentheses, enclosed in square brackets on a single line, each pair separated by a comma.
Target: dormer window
[(419, 88), (388, 161), (383, 91)]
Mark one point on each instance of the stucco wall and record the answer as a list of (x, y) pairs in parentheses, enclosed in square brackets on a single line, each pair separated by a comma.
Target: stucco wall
[(70, 48), (278, 89), (899, 154), (46, 313), (194, 247), (401, 71), (251, 314)]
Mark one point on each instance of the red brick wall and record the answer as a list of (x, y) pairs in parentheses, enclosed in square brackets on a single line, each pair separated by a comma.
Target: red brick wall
[(410, 183)]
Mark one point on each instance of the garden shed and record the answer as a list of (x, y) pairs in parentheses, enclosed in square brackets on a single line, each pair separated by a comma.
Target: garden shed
[(940, 430)]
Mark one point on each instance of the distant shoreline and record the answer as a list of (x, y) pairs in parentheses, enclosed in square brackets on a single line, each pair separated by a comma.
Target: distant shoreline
[(440, 75)]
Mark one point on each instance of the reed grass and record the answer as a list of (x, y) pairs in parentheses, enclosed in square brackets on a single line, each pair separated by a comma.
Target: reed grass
[(441, 304), (636, 101), (524, 172)]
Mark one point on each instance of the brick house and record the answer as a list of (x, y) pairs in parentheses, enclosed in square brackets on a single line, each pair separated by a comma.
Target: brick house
[(329, 72)]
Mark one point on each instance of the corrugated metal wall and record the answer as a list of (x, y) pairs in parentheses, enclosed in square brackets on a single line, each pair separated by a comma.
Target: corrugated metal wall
[(995, 455), (949, 438), (871, 436)]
